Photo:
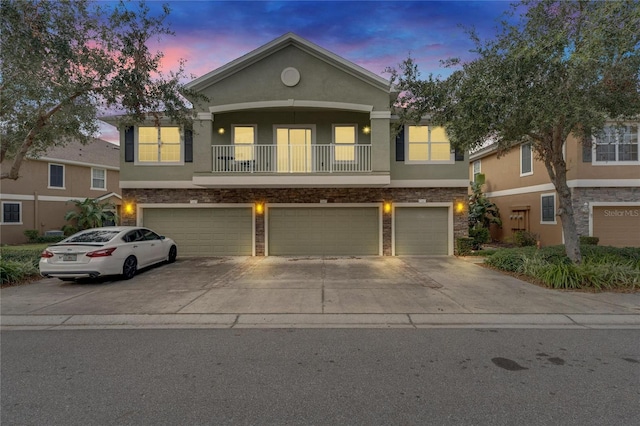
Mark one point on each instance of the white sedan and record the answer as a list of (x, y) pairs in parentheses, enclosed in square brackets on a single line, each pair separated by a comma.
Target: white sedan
[(113, 250)]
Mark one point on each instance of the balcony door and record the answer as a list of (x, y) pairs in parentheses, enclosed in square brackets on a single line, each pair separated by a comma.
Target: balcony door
[(294, 150)]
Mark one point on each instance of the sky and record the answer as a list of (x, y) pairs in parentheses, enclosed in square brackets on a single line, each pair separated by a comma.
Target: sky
[(373, 34)]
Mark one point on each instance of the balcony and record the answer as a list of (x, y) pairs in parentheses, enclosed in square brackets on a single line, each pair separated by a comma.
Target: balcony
[(286, 159)]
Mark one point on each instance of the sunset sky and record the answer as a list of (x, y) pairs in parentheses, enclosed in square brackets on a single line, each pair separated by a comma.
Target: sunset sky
[(373, 34)]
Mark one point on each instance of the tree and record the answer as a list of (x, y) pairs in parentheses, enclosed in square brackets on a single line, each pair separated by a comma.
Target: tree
[(64, 62), (565, 67), (90, 213)]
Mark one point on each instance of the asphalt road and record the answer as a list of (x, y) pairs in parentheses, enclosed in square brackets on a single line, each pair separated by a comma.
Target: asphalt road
[(320, 377)]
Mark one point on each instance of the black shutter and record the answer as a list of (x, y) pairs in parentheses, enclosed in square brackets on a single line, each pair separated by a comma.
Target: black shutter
[(586, 150), (459, 154), (188, 146), (128, 144), (400, 145)]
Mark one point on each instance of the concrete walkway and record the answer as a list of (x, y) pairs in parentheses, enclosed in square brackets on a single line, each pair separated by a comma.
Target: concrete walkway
[(411, 292)]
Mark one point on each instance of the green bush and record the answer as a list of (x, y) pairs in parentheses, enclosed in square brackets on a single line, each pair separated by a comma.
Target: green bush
[(464, 246), (480, 236), (12, 271), (17, 254), (524, 238), (591, 241), (31, 234)]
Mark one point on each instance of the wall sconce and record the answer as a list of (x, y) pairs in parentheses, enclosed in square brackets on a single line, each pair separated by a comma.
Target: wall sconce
[(128, 208), (585, 208), (259, 207), (459, 207), (366, 130), (387, 207), (221, 131)]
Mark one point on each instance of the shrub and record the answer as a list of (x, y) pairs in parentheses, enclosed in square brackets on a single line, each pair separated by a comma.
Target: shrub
[(464, 246), (591, 241), (511, 260), (12, 271), (480, 235), (524, 238), (31, 234)]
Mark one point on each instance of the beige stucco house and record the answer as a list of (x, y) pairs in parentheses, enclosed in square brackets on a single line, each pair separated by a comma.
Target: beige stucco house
[(294, 154), (47, 186), (604, 179)]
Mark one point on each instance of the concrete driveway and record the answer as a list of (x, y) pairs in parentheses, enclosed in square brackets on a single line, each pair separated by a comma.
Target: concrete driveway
[(404, 289)]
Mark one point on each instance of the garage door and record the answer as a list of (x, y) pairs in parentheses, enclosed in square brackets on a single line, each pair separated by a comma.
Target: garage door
[(421, 230), (617, 226), (204, 231), (336, 231)]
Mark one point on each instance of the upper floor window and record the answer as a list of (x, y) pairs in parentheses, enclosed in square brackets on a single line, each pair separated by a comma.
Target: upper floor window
[(617, 144), (548, 208), (98, 178), (476, 169), (159, 145), (428, 144), (12, 213), (244, 139), (344, 138), (56, 176), (526, 160)]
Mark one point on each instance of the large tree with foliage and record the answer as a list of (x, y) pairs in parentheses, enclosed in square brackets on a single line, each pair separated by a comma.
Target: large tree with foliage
[(556, 69), (64, 62)]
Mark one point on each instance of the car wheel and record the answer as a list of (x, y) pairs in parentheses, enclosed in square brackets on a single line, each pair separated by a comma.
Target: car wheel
[(129, 268), (173, 253)]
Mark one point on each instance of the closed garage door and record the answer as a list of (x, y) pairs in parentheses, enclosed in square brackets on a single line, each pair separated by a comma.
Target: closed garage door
[(204, 231), (617, 226), (421, 230), (336, 231)]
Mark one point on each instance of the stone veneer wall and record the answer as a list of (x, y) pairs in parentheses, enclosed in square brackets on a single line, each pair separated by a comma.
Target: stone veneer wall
[(304, 195), (580, 196)]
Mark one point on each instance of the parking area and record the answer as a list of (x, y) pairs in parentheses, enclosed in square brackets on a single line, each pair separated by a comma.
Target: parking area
[(309, 285)]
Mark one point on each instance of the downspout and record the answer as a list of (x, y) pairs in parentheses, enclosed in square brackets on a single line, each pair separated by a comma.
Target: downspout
[(36, 215)]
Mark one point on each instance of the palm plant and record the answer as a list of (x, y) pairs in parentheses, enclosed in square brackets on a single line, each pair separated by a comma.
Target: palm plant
[(90, 213)]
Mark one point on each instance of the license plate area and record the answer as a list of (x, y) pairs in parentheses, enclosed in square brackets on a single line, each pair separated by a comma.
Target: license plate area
[(69, 257)]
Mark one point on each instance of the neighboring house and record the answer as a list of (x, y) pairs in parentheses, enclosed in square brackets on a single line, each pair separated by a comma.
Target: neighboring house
[(47, 186), (604, 179), (294, 155)]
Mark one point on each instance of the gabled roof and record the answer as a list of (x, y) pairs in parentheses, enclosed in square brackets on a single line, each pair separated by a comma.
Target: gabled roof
[(97, 152), (289, 39)]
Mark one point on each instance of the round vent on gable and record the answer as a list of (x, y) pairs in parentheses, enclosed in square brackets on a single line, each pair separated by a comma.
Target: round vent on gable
[(290, 76)]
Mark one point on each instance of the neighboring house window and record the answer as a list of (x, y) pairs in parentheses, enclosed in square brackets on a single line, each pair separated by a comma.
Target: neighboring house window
[(617, 144), (12, 213), (427, 144), (548, 208), (159, 145), (98, 179), (244, 139), (476, 169), (344, 138), (526, 160), (56, 176)]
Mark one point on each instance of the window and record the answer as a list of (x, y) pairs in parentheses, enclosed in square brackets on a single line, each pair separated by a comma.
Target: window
[(244, 138), (159, 145), (98, 179), (56, 176), (344, 138), (548, 208), (617, 144), (12, 213), (526, 160), (476, 169), (427, 144)]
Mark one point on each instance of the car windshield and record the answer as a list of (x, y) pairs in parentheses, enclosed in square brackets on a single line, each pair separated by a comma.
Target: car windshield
[(97, 236)]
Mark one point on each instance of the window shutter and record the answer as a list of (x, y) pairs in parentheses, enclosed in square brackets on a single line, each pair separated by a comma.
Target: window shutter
[(459, 154), (188, 146), (128, 144), (586, 149), (400, 145)]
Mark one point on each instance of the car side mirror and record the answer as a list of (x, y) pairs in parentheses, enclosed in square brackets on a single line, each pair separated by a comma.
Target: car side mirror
[(162, 237)]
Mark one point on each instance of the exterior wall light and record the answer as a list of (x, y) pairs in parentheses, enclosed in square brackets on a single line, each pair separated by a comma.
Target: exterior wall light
[(128, 208), (366, 130), (221, 131), (259, 208), (387, 207), (459, 207)]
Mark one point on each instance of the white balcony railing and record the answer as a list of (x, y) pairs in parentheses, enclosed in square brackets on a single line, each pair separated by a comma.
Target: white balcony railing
[(291, 158)]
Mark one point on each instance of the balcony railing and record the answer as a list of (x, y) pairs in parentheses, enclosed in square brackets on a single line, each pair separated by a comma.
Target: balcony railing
[(347, 158)]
